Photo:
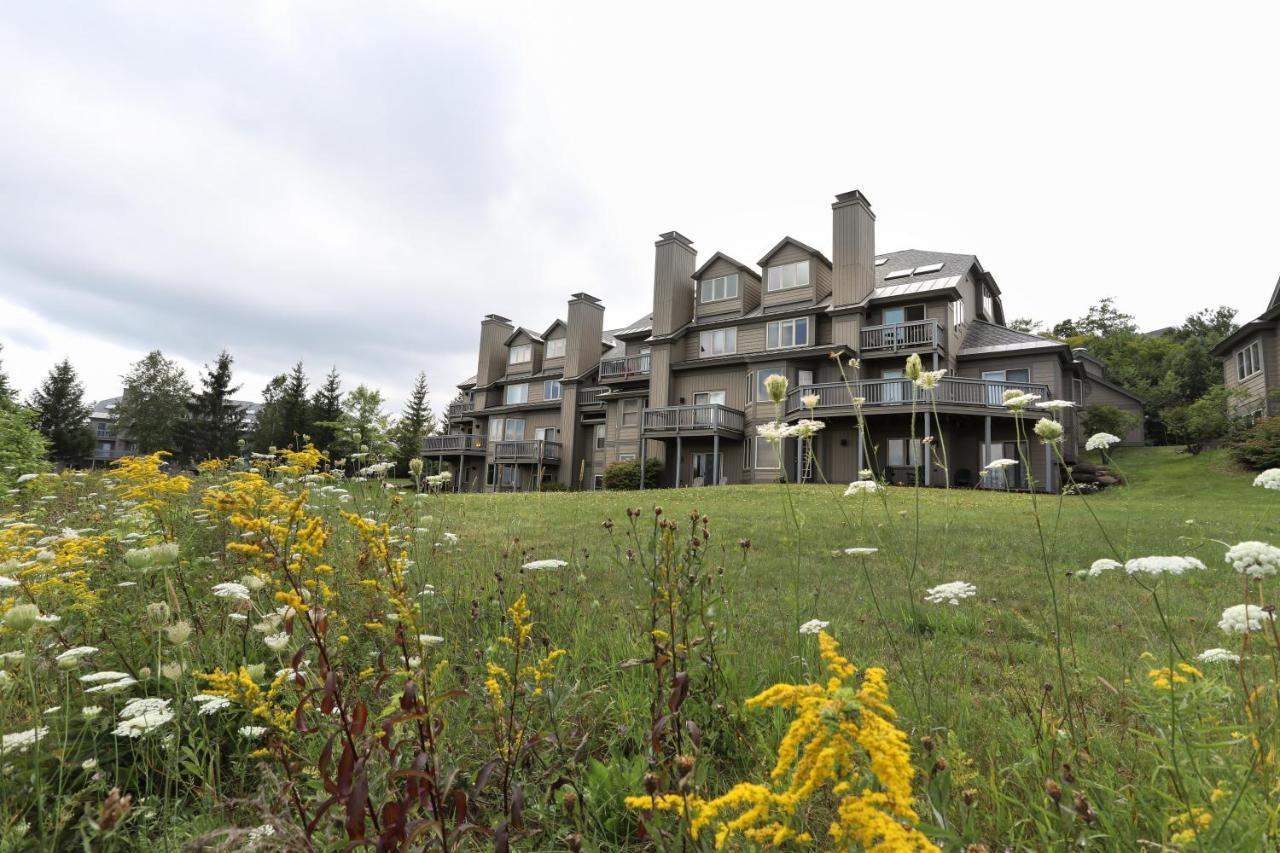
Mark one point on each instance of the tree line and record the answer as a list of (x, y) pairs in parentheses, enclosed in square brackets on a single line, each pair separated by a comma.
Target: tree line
[(160, 409)]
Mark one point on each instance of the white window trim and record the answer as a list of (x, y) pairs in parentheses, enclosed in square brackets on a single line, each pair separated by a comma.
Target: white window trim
[(561, 342), (729, 335), (1249, 357), (914, 450), (548, 384), (626, 457), (768, 277), (709, 284), (755, 454), (791, 321), (600, 438), (623, 412), (506, 394), (723, 397), (526, 349)]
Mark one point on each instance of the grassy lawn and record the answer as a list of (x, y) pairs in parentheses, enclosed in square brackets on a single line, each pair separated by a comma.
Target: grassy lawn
[(978, 687)]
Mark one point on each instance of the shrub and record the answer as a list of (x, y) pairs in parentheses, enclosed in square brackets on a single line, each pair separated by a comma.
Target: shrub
[(22, 448), (626, 475), (1112, 419), (1258, 447), (553, 486), (1204, 421)]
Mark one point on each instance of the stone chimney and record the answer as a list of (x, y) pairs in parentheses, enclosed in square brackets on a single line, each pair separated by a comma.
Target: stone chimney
[(853, 249), (494, 330), (586, 327), (672, 282)]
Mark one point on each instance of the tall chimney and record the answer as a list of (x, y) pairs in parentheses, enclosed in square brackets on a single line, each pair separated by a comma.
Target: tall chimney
[(854, 249), (672, 282), (586, 327), (494, 330)]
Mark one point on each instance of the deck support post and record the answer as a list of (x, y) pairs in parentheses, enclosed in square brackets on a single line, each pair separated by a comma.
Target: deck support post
[(986, 449), (858, 439), (1048, 467), (926, 450), (715, 459), (457, 486), (644, 458), (679, 455), (799, 459)]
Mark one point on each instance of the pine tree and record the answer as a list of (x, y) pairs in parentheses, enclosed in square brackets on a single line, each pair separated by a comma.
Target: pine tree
[(326, 408), (295, 411), (7, 391), (270, 423), (154, 403), (215, 422), (62, 416), (416, 423), (363, 424)]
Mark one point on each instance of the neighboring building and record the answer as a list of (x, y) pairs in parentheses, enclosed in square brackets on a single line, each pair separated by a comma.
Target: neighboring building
[(1251, 361), (109, 444), (688, 379)]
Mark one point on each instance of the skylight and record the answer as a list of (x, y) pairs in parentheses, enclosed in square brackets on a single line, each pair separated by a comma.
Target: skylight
[(897, 274), (881, 261), (928, 268)]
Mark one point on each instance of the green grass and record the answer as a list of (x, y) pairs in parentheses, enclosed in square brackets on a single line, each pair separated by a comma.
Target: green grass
[(981, 679)]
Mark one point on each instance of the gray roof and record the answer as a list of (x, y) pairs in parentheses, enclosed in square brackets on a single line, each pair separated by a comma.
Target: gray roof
[(104, 409), (534, 336), (793, 241), (907, 286), (982, 337), (912, 259), (643, 324), (721, 256)]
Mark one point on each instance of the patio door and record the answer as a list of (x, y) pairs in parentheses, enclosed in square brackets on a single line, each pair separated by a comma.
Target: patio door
[(708, 468), (892, 390), (705, 417), (1012, 477), (995, 393)]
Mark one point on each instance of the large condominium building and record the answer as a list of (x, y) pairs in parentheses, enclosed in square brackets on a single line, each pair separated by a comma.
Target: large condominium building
[(685, 383), (111, 443), (1251, 362)]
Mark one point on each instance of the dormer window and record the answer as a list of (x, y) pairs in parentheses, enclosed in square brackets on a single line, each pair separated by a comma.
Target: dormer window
[(521, 354), (555, 348), (724, 287), (987, 305), (787, 276)]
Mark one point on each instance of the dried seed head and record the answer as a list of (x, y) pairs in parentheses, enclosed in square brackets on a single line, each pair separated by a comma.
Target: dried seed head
[(969, 795), (575, 842), (1081, 804), (570, 800), (1068, 776), (927, 743), (651, 783), (1051, 788), (684, 763), (940, 765)]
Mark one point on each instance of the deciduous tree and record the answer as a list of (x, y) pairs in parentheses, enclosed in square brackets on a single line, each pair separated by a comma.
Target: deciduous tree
[(154, 403)]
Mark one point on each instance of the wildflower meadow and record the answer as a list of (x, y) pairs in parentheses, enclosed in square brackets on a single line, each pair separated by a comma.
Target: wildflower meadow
[(268, 655)]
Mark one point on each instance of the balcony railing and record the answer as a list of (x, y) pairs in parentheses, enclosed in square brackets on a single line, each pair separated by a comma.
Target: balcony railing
[(533, 451), (631, 367), (591, 396), (461, 407), (917, 333), (951, 391), (704, 418), (454, 443)]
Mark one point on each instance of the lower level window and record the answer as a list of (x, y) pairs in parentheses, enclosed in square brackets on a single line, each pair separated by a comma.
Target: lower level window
[(598, 482), (765, 454), (626, 457), (898, 448)]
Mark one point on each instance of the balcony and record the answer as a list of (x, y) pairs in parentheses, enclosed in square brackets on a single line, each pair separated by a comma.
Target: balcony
[(951, 391), (101, 454), (706, 419), (590, 397), (460, 408), (536, 450), (624, 369), (900, 336), (455, 443)]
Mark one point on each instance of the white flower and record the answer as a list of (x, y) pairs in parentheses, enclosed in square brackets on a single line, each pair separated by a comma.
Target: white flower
[(237, 617), (775, 385), (805, 428), (1162, 565), (260, 833), (773, 431), (1255, 559), (863, 487), (810, 401), (1218, 656), (860, 552), (143, 723), (113, 686), (1100, 566), (430, 639), (1268, 479), (143, 705), (26, 478), (91, 711), (451, 538), (929, 379), (1049, 431), (1018, 400), (950, 593), (1242, 618), (71, 657), (48, 618), (1055, 405), (277, 642), (105, 675), (253, 732), (997, 464), (210, 705), (545, 564), (21, 741), (8, 583), (253, 582), (231, 589), (865, 474), (1101, 441), (813, 626), (89, 764)]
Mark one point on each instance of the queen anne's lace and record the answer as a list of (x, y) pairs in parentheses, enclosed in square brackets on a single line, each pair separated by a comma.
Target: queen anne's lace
[(1255, 559), (1162, 565)]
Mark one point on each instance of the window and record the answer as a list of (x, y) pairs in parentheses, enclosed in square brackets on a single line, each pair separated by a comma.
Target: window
[(724, 287), (788, 333), (756, 392), (891, 392), (1249, 360), (555, 348), (708, 468), (718, 342), (600, 437), (898, 452), (630, 412), (546, 434), (995, 393), (957, 313), (495, 430), (516, 394), (515, 429), (551, 389), (987, 305), (903, 314), (597, 482), (708, 398), (1077, 392), (520, 354), (765, 453), (787, 276), (626, 457)]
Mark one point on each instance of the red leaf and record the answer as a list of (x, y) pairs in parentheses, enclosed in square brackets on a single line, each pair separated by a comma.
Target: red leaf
[(459, 806), (355, 807), (330, 693), (359, 717), (517, 807), (501, 844), (680, 683), (345, 765)]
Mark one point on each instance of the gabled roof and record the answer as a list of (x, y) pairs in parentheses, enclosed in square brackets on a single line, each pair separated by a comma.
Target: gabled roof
[(469, 382), (521, 330), (982, 338), (1264, 322), (794, 242), (1275, 296), (721, 256), (642, 325), (552, 328)]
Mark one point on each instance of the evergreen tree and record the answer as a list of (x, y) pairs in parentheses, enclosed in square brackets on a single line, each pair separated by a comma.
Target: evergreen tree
[(295, 411), (416, 423), (362, 428), (7, 391), (154, 404), (62, 416), (215, 422), (326, 408), (270, 423)]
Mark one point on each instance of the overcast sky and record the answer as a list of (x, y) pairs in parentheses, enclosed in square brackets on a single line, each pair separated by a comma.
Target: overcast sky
[(359, 184)]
